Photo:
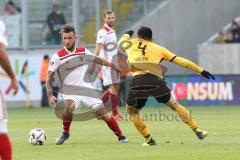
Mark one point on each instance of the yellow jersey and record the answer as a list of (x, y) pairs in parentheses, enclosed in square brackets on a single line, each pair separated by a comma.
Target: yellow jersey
[(146, 56)]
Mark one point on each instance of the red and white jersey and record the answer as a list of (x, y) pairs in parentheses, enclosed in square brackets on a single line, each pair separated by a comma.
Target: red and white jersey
[(71, 66), (3, 109), (3, 35), (108, 38)]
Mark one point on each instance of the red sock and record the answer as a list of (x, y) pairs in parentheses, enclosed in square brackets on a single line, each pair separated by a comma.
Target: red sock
[(105, 96), (113, 125), (67, 120), (5, 147), (114, 102)]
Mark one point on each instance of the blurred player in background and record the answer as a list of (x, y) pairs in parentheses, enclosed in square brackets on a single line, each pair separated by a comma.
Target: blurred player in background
[(43, 77), (61, 63), (5, 144), (145, 57), (106, 47)]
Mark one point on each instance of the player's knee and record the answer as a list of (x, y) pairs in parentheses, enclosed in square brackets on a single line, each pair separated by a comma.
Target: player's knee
[(132, 110), (101, 114), (172, 104), (105, 117), (69, 106), (114, 88)]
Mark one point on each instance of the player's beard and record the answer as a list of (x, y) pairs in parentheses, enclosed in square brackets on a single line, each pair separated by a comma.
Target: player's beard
[(71, 48), (111, 24)]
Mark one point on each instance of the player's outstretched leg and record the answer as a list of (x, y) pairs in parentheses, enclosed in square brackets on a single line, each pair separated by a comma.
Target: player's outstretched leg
[(112, 95), (112, 124), (140, 125), (186, 117), (67, 120), (5, 147)]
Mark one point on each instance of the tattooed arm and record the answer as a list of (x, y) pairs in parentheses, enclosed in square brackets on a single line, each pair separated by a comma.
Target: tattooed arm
[(52, 99)]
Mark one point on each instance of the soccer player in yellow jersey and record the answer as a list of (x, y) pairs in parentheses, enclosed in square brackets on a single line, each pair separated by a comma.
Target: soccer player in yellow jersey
[(144, 58)]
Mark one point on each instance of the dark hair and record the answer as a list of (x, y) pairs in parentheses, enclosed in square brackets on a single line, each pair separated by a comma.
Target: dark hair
[(107, 12), (45, 57), (67, 28), (145, 33)]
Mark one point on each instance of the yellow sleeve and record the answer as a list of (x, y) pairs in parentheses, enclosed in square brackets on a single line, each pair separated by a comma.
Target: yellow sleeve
[(124, 42), (169, 56), (187, 64)]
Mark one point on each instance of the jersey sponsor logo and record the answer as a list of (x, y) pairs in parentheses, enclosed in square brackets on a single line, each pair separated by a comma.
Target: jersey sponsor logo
[(141, 59), (73, 68), (110, 46)]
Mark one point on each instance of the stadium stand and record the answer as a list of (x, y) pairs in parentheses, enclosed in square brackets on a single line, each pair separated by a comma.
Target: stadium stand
[(225, 30)]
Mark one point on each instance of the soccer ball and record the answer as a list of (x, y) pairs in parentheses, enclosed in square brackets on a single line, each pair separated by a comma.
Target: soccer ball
[(36, 136)]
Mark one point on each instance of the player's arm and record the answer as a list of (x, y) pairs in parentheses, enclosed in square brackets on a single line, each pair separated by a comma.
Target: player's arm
[(4, 61), (53, 66), (104, 62), (124, 43), (52, 99), (98, 48), (99, 45), (183, 62)]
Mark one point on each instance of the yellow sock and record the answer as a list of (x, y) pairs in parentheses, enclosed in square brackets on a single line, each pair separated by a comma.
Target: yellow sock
[(186, 117), (140, 125)]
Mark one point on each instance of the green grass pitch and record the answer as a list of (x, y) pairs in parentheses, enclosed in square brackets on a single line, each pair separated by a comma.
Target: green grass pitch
[(92, 140)]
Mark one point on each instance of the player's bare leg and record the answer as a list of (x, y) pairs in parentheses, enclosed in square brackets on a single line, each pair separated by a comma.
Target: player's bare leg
[(112, 124), (112, 94), (140, 125), (186, 117), (67, 120)]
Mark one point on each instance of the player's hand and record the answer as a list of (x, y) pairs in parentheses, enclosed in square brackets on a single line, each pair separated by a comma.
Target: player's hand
[(114, 67), (53, 101), (130, 33), (207, 74), (14, 86)]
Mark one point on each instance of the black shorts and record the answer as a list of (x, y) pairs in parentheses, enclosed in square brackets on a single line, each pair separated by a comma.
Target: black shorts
[(146, 85)]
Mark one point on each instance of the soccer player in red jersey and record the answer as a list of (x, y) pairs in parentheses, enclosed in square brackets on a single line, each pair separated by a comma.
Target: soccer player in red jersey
[(106, 47), (69, 64), (5, 144)]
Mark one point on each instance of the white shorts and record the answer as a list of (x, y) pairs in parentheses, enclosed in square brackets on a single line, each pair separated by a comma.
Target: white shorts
[(3, 115), (110, 76), (93, 103)]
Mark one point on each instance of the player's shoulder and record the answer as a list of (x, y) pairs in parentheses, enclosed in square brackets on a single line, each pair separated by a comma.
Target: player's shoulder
[(105, 30), (81, 49), (155, 45), (61, 52)]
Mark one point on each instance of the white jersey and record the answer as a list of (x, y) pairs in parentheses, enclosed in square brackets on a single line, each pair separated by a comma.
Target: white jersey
[(108, 38), (3, 108), (71, 66), (109, 51), (3, 35)]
